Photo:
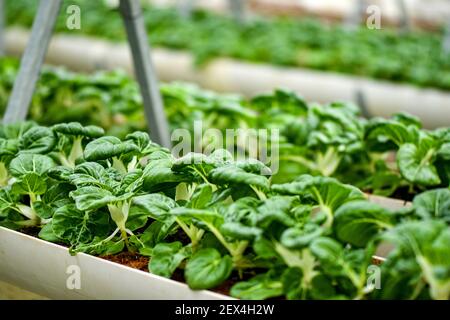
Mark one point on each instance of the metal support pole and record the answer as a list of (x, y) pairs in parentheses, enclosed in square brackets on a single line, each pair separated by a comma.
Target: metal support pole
[(361, 101), (145, 73), (32, 60), (185, 8), (404, 16), (238, 10), (355, 17), (446, 40), (2, 27)]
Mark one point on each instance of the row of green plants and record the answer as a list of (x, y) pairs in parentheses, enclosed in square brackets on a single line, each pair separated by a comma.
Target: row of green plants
[(214, 218), (415, 57), (390, 157), (299, 234)]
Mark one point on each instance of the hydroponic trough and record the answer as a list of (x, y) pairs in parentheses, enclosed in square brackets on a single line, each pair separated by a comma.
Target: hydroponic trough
[(45, 268), (381, 98)]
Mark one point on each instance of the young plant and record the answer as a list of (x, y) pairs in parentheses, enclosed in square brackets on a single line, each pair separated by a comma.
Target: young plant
[(70, 141)]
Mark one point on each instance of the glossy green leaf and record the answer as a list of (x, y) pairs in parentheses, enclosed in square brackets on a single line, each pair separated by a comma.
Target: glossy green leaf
[(358, 222), (30, 163), (167, 257), (207, 269)]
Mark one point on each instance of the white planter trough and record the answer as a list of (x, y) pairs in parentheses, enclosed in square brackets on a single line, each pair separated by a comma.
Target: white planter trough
[(48, 270), (381, 98)]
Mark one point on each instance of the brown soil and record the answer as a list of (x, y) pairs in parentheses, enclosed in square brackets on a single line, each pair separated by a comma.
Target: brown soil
[(403, 194), (129, 259), (31, 231)]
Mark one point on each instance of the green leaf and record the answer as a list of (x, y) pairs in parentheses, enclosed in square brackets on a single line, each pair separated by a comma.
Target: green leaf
[(140, 139), (37, 140), (383, 130), (293, 286), (301, 237), (275, 208), (265, 249), (99, 246), (444, 151), (425, 245), (107, 147), (60, 173), (328, 193), (205, 216), (93, 174), (7, 199), (433, 204), (167, 257), (260, 287), (240, 231), (15, 130), (47, 233), (155, 205), (233, 174), (8, 147), (201, 197), (92, 198), (30, 163), (416, 163), (75, 226), (57, 195), (339, 262), (144, 144), (158, 171), (199, 165), (30, 183), (76, 129), (132, 181), (156, 233), (327, 250), (358, 222), (407, 119), (207, 269)]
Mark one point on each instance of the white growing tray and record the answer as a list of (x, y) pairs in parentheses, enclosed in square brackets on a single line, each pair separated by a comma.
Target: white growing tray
[(40, 267), (382, 98)]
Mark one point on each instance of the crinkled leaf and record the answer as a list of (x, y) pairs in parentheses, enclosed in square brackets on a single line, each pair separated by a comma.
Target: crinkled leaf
[(433, 204), (416, 163), (92, 198), (30, 163), (60, 173), (206, 216), (233, 174), (155, 205), (107, 147), (76, 129), (75, 226), (37, 140), (158, 171), (301, 237), (30, 183), (358, 222), (325, 191), (424, 244), (258, 288), (167, 257)]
